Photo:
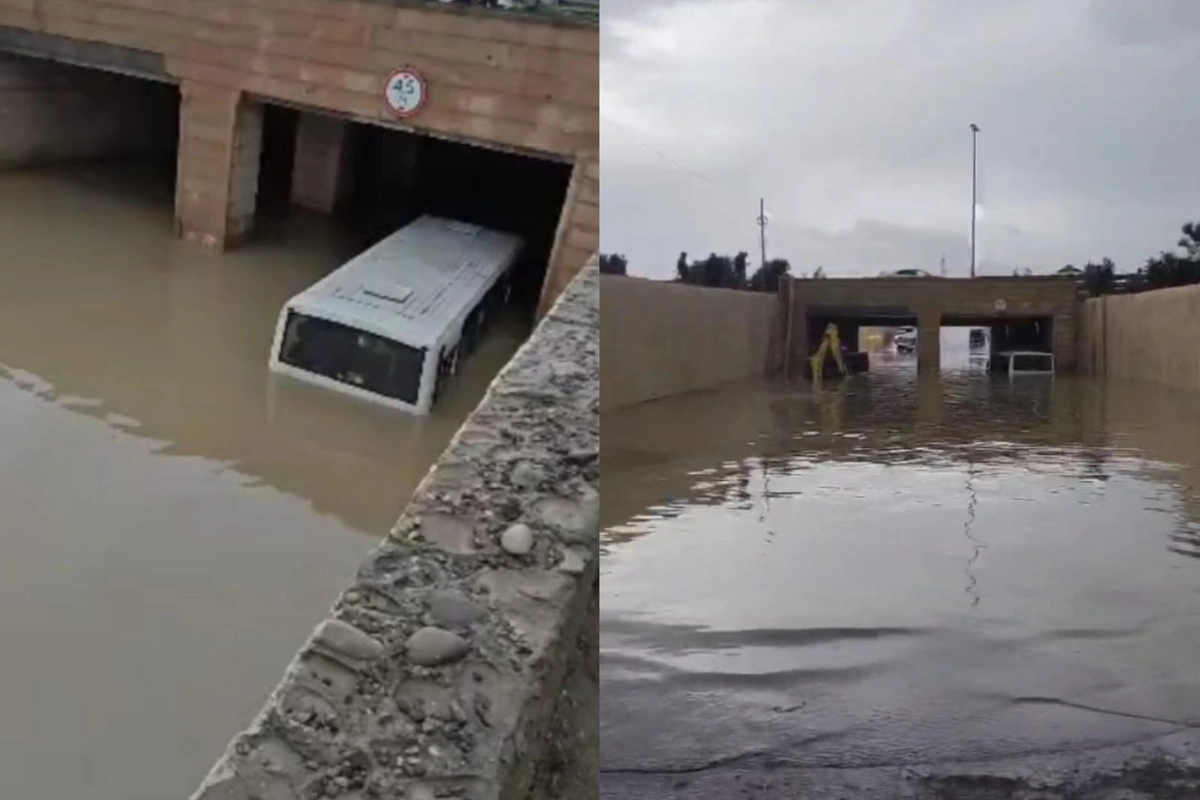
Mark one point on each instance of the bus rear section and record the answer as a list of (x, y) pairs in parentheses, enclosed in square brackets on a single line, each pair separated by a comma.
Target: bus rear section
[(393, 323)]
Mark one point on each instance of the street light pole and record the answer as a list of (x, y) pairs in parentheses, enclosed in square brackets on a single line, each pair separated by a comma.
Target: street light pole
[(974, 197), (762, 229)]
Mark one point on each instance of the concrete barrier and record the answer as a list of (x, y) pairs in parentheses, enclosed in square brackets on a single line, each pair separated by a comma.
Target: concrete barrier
[(1143, 337), (664, 339), (438, 671)]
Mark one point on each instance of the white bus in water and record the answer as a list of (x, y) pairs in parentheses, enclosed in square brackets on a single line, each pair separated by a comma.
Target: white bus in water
[(390, 324), (1023, 362)]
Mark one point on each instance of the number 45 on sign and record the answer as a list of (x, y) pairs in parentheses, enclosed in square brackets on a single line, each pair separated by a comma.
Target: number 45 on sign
[(405, 92)]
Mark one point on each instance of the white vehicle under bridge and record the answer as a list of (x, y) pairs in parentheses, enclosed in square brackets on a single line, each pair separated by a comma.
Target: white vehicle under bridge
[(393, 322)]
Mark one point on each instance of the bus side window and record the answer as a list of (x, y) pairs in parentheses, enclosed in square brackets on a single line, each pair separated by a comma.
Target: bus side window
[(437, 378), (470, 332)]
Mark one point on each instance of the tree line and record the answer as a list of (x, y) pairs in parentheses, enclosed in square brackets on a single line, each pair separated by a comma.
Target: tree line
[(1098, 278), (717, 271), (1159, 272)]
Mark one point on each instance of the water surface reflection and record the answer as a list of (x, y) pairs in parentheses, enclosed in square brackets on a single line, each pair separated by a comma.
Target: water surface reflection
[(174, 521), (891, 571)]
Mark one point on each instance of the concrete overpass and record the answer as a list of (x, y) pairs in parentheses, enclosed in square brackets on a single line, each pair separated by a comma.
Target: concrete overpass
[(1022, 312), (524, 83)]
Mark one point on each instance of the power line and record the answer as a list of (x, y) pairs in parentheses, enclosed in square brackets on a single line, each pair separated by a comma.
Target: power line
[(675, 163), (762, 218), (652, 149)]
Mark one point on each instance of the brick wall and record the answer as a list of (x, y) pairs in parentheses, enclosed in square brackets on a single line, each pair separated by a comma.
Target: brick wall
[(530, 84), (934, 299)]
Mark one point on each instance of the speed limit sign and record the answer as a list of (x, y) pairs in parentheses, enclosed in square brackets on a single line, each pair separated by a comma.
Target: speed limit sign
[(1000, 305), (405, 92)]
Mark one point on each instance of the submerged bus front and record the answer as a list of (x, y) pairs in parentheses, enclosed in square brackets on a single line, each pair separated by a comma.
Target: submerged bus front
[(390, 324)]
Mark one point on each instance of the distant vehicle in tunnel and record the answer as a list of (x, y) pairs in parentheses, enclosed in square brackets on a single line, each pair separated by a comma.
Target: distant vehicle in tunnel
[(1023, 362), (392, 323), (905, 339), (977, 338)]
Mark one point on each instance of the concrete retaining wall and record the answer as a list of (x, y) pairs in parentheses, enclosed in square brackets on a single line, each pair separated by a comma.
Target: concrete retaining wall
[(438, 672), (1144, 337), (664, 339)]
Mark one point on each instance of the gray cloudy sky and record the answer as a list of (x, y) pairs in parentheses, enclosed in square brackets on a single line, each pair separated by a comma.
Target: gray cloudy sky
[(851, 118)]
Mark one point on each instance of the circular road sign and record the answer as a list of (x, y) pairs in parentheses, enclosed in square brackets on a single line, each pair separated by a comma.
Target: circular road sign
[(1000, 304), (405, 92)]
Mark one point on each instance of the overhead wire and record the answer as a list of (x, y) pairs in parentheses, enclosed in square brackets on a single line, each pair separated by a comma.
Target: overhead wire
[(752, 201)]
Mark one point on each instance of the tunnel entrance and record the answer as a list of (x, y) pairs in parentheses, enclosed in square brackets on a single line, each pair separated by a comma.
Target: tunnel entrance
[(65, 114), (1010, 333), (870, 329), (963, 346), (368, 180), (889, 336)]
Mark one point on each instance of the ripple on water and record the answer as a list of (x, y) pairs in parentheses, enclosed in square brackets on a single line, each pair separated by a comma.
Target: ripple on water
[(899, 570)]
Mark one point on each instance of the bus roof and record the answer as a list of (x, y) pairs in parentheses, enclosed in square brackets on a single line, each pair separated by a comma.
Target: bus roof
[(1011, 353), (415, 283)]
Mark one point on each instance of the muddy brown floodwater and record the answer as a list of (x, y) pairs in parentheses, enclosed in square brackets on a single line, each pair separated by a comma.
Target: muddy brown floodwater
[(897, 588), (172, 521)]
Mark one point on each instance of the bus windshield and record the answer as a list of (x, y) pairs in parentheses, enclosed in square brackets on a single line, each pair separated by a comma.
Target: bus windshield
[(353, 357)]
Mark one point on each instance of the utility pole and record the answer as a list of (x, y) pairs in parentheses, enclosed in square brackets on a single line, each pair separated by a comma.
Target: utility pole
[(762, 229), (974, 196)]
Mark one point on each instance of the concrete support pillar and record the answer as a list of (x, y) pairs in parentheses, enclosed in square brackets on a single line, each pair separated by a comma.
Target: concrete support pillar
[(321, 171), (802, 342), (929, 398), (220, 145), (243, 170), (578, 236), (929, 340), (1065, 344)]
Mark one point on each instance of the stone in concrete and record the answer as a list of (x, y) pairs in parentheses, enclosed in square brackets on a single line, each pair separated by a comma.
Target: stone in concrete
[(449, 608), (517, 539), (448, 532), (573, 561), (528, 475), (572, 521), (341, 637), (432, 646), (463, 707)]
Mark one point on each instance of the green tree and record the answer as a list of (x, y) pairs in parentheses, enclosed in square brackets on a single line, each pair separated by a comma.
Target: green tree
[(1098, 277), (767, 277), (1191, 240), (613, 264), (715, 271), (1173, 269)]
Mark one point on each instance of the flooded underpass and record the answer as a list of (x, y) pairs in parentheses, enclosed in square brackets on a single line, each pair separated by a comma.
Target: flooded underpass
[(174, 521), (958, 586)]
